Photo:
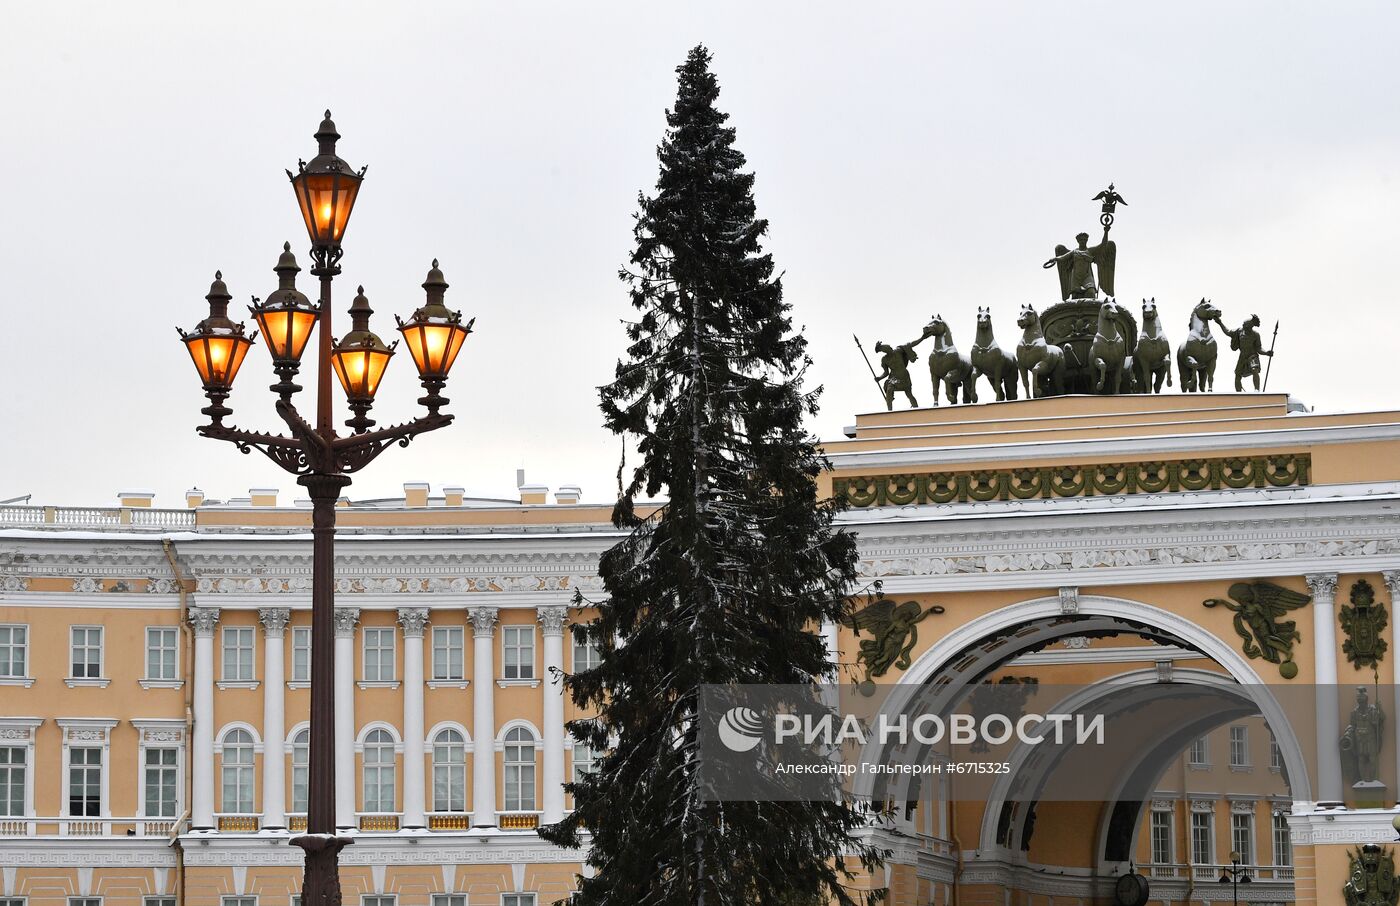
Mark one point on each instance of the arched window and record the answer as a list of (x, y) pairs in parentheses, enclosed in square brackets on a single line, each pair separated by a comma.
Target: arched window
[(449, 772), (301, 760), (520, 770), (238, 772), (379, 771)]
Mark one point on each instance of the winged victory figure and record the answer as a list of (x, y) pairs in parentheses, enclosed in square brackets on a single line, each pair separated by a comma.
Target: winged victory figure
[(892, 626), (1258, 608)]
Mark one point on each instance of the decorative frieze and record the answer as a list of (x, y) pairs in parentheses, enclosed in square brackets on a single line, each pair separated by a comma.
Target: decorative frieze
[(394, 585), (1125, 557), (1285, 470)]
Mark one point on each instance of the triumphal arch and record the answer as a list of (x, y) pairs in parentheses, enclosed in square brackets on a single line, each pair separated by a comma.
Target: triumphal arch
[(1075, 523)]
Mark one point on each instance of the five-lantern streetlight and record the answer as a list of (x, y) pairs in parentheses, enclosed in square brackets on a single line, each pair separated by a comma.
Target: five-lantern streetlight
[(326, 189)]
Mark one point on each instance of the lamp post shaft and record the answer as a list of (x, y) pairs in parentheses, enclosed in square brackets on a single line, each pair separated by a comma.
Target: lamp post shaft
[(324, 413)]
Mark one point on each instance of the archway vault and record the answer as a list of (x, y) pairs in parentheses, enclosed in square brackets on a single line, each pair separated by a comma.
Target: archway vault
[(957, 660)]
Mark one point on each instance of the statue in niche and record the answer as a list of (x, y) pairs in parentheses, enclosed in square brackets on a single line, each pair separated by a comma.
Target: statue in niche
[(1361, 743)]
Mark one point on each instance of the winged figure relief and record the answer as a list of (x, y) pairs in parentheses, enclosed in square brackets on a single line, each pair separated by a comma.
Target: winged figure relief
[(892, 627), (1259, 608)]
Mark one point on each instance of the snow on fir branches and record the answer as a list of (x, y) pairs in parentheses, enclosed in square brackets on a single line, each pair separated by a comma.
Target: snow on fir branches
[(726, 582)]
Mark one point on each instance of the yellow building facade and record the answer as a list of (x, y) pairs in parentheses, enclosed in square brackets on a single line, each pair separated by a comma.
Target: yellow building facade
[(154, 665)]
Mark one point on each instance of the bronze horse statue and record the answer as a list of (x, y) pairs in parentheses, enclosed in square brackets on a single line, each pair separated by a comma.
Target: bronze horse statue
[(1109, 349), (1153, 360), (947, 366), (989, 360), (1195, 358), (1038, 359)]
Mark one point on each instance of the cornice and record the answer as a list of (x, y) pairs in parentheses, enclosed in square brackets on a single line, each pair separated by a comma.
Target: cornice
[(437, 848)]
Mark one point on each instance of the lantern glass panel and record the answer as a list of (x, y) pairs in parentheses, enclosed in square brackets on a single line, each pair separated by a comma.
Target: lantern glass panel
[(434, 347), (360, 370), (326, 200), (217, 357), (287, 331)]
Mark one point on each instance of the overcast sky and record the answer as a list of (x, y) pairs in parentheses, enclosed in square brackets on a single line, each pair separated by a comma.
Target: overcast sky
[(912, 158)]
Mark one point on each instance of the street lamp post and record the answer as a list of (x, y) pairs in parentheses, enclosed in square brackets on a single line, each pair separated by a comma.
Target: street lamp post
[(1235, 876), (326, 189)]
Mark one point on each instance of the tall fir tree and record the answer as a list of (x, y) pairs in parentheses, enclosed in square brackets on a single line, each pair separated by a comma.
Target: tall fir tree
[(727, 581)]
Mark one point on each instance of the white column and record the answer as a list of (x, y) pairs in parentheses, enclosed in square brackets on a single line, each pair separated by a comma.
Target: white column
[(483, 716), (831, 640), (1329, 729), (413, 619), (203, 619), (345, 620), (1392, 583), (274, 790), (552, 628)]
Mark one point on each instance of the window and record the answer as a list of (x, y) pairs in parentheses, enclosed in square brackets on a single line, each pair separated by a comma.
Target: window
[(447, 653), (586, 655), (1239, 746), (12, 901), (12, 781), (239, 901), (439, 899), (585, 760), (379, 655), (379, 772), (301, 654), (161, 782), (238, 654), (519, 660), (378, 899), (87, 652), (1199, 752), (1242, 836), (1283, 840), (160, 652), (517, 899), (238, 772), (1275, 755), (1202, 832), (14, 650), (1162, 838), (301, 767), (84, 783), (449, 772), (84, 901), (158, 901), (520, 770)]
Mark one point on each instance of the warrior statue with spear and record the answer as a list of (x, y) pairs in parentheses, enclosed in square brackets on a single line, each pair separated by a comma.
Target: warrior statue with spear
[(894, 364)]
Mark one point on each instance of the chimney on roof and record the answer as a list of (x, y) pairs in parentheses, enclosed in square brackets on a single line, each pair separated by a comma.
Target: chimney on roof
[(415, 493), (194, 497), (530, 493), (453, 496), (136, 498), (263, 496), (568, 493)]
